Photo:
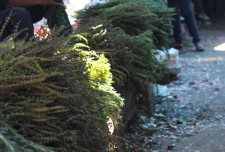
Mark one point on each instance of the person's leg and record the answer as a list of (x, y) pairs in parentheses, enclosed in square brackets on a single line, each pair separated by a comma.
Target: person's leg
[(198, 6), (20, 20), (199, 10), (186, 10), (211, 7), (37, 12), (176, 22)]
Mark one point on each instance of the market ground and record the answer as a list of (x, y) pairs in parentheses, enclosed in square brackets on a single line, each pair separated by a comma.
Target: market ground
[(205, 76), (191, 116)]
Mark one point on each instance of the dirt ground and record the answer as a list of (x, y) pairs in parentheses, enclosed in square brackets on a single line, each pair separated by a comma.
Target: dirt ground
[(191, 117), (205, 76)]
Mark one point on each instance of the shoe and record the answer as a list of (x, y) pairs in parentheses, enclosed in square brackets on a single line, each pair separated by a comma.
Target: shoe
[(199, 47), (178, 46), (203, 17), (182, 19)]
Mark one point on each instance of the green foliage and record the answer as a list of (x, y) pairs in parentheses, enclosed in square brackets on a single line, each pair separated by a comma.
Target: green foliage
[(135, 17), (109, 101), (98, 68), (55, 16), (60, 96), (10, 141), (47, 96), (128, 32)]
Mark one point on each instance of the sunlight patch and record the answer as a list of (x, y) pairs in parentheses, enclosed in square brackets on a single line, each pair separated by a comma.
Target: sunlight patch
[(220, 47)]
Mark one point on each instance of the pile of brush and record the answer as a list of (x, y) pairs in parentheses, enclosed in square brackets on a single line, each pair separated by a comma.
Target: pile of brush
[(128, 32), (46, 95)]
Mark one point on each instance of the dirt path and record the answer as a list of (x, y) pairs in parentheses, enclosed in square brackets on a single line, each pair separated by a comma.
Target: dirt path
[(191, 116), (204, 74)]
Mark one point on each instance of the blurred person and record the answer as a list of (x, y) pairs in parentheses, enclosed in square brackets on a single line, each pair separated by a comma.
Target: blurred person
[(209, 7), (214, 8), (183, 7), (23, 13), (199, 9)]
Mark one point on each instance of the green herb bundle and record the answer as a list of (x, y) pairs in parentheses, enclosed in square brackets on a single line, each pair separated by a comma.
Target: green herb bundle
[(56, 17), (128, 32)]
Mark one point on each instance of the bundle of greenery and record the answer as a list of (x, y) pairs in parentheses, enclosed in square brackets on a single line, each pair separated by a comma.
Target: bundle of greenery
[(128, 32), (55, 16), (10, 141), (47, 95)]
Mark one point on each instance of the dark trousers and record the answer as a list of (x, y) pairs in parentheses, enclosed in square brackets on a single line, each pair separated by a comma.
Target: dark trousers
[(183, 7), (20, 21), (199, 8)]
